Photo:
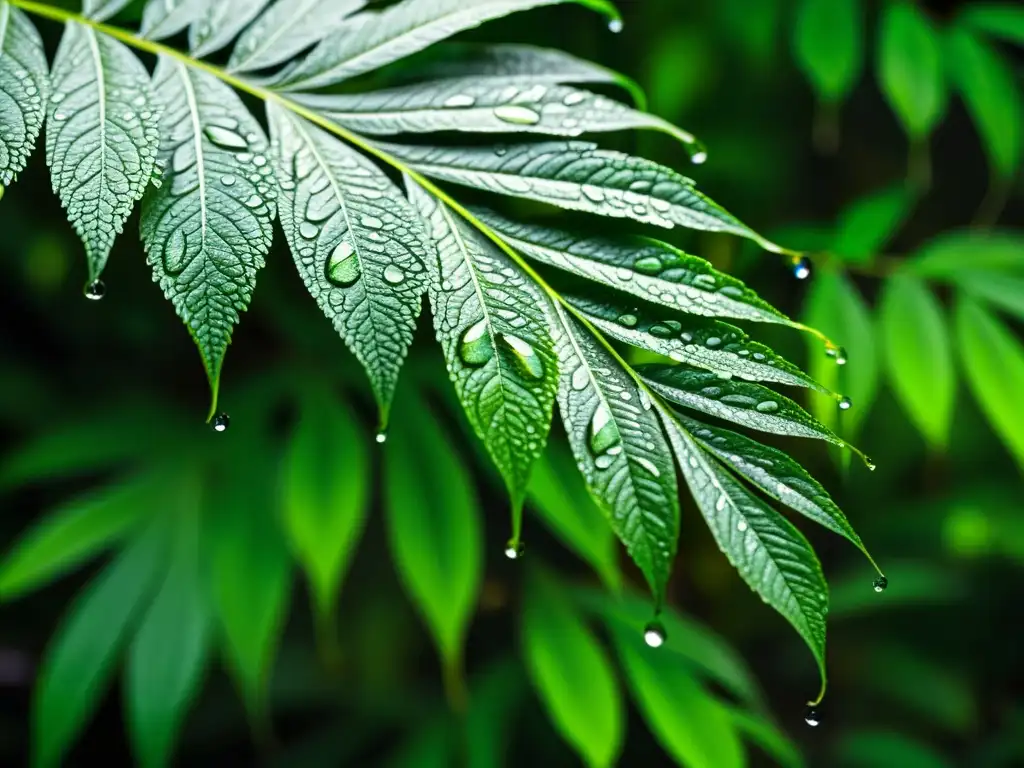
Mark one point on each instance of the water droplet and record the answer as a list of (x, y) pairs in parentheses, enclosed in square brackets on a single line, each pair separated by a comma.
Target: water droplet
[(476, 348), (604, 433), (768, 406), (460, 101), (514, 551), (228, 181), (698, 153), (801, 267), (880, 584), (96, 290), (343, 266), (592, 193), (221, 422), (811, 717), (224, 138), (393, 274), (308, 230), (649, 265), (655, 635), (574, 98), (742, 526), (517, 115), (615, 26), (372, 222), (837, 353), (628, 320), (254, 201), (527, 357), (580, 378), (382, 437), (845, 403)]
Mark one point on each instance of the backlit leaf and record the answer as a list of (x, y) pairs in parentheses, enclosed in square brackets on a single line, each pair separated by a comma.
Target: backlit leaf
[(910, 67), (829, 45), (24, 87), (220, 23)]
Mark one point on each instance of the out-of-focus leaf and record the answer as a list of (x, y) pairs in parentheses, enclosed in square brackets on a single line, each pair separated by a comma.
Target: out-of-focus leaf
[(919, 355), (885, 749), (911, 585), (325, 486), (433, 519), (993, 363), (910, 67), (836, 308), (992, 94), (80, 661), (1004, 292), (694, 728), (558, 494), (571, 674), (766, 735), (495, 697), (828, 44), (867, 225), (1004, 20), (955, 253)]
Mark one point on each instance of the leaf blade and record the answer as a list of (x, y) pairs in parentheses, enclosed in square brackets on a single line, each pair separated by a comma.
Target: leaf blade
[(910, 68), (220, 23), (22, 98)]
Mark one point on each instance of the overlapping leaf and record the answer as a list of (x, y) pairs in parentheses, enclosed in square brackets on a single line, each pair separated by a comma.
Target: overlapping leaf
[(24, 86), (220, 23), (100, 10), (164, 18)]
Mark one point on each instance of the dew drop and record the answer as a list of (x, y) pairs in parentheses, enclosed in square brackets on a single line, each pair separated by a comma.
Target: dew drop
[(574, 98), (649, 265), (393, 274), (801, 267), (698, 153), (343, 266), (513, 550), (517, 115), (604, 433), (580, 379), (527, 357), (308, 230), (811, 717), (476, 348), (221, 422), (845, 403), (228, 180), (381, 437), (96, 290), (655, 635), (460, 101), (615, 26), (768, 406), (628, 320), (372, 222), (224, 138), (841, 356), (880, 584)]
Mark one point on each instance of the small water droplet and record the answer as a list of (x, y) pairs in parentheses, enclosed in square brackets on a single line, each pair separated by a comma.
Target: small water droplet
[(615, 26), (845, 403), (224, 138), (880, 584), (96, 290), (221, 422), (228, 180), (460, 100), (514, 551), (768, 406), (742, 526), (517, 114), (649, 265), (382, 437), (574, 98), (801, 267), (811, 717), (655, 635), (393, 274), (628, 320), (698, 153), (308, 230), (870, 464)]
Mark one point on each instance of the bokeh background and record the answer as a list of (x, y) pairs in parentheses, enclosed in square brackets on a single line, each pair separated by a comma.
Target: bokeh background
[(814, 138)]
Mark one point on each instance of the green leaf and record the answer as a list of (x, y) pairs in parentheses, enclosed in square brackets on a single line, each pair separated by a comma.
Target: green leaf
[(867, 225), (220, 23), (578, 176), (370, 41), (691, 726), (286, 29), (641, 267), (1002, 20), (910, 67), (749, 405), (167, 659), (208, 228), (326, 488), (165, 18), (436, 538), (24, 89), (836, 308), (1003, 292), (953, 254), (101, 10), (770, 554), (992, 95), (80, 660), (497, 694), (919, 355), (101, 136), (881, 749), (490, 321), (993, 363), (621, 451), (572, 674), (356, 241), (828, 44), (766, 735), (75, 532)]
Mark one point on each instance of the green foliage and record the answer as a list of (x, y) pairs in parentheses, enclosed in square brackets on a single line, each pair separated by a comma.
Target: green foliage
[(828, 43), (910, 68)]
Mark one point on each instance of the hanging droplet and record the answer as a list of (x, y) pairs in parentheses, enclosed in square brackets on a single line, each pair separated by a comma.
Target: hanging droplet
[(880, 584), (698, 153), (221, 422), (836, 353), (870, 464), (811, 717), (95, 290), (615, 26), (655, 634), (845, 403), (801, 267), (476, 348), (514, 550), (382, 437)]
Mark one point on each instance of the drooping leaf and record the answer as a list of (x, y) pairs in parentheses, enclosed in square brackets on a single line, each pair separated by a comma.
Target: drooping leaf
[(956, 253), (24, 89), (80, 661), (692, 726), (370, 41), (325, 493), (829, 45), (208, 227), (357, 242), (436, 538), (101, 136), (641, 267), (101, 10), (491, 323), (770, 554), (1003, 20), (220, 23), (286, 28), (572, 674), (993, 363), (164, 18), (867, 225), (744, 403), (919, 355), (168, 656), (910, 67), (620, 449), (578, 176)]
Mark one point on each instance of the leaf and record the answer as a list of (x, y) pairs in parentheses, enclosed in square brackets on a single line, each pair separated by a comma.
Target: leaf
[(992, 96), (168, 656), (766, 735), (165, 18), (1002, 20), (491, 324), (704, 343), (621, 451), (690, 725), (286, 29), (101, 136), (436, 539), (24, 89), (828, 44), (836, 308), (641, 267), (770, 554), (879, 749), (953, 254), (743, 403), (578, 176), (79, 662), (208, 227), (101, 10), (919, 356), (910, 68), (356, 241), (776, 474), (325, 494), (1003, 292), (497, 694), (867, 225), (220, 23), (68, 536), (372, 40), (993, 363), (572, 674)]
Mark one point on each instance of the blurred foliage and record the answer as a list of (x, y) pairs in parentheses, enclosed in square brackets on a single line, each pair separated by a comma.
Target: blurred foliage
[(175, 564)]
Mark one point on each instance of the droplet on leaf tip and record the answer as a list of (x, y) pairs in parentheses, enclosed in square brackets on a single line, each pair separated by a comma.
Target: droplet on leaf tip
[(96, 290), (221, 422), (880, 584), (514, 550), (870, 464), (655, 635), (845, 403), (801, 267), (615, 26), (381, 437), (811, 717)]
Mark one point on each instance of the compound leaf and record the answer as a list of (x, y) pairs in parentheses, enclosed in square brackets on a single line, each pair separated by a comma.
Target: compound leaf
[(24, 88)]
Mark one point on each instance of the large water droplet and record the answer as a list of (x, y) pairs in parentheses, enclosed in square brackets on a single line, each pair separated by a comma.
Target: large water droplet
[(308, 230), (801, 267), (517, 115), (221, 422), (476, 348), (343, 266), (655, 634), (811, 717), (514, 550), (880, 584), (604, 433), (224, 138), (95, 290), (460, 101), (393, 274), (580, 378), (649, 265), (527, 357), (768, 406)]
